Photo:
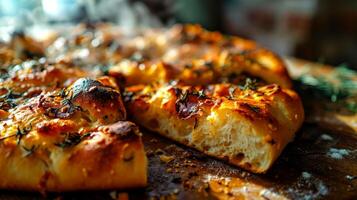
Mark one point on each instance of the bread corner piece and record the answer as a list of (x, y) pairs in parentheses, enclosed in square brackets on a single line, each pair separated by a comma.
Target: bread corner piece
[(248, 128), (111, 158), (70, 140)]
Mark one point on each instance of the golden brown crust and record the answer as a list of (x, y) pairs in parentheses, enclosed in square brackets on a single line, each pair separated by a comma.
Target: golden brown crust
[(71, 139), (56, 118), (215, 119), (103, 160), (195, 56), (103, 103)]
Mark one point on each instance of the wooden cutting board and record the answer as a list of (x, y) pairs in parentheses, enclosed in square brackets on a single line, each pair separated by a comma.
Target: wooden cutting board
[(321, 163)]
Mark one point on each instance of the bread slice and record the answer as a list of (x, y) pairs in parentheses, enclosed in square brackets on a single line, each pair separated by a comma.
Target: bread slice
[(248, 127), (195, 56), (69, 139)]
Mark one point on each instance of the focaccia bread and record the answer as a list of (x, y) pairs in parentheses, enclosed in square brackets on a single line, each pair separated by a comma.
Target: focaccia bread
[(247, 126), (62, 118), (195, 56), (187, 53), (70, 138)]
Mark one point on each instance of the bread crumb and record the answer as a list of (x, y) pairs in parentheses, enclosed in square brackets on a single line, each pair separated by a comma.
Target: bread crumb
[(166, 159), (326, 137), (306, 175), (113, 194), (322, 189), (351, 178), (338, 153)]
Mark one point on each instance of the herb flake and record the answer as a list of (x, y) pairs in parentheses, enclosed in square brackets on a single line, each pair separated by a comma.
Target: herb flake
[(71, 139)]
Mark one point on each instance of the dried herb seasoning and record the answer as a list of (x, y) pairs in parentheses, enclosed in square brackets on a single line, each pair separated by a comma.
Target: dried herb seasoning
[(250, 84), (19, 133), (29, 151), (71, 139)]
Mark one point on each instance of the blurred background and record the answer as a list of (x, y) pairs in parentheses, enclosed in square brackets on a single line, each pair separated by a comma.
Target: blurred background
[(323, 31)]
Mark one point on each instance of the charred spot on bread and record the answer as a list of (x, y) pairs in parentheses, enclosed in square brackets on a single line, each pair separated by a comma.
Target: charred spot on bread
[(8, 98), (124, 130), (188, 101), (239, 157), (253, 108), (71, 139), (83, 85), (104, 103)]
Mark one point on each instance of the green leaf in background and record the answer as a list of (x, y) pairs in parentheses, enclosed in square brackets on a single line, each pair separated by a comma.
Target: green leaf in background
[(339, 86)]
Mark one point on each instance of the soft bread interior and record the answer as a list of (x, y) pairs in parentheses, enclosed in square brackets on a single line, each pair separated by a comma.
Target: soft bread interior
[(237, 142), (235, 138), (223, 134), (229, 130)]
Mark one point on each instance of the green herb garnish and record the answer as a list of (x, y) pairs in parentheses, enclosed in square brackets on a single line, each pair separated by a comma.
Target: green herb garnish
[(253, 108), (71, 139), (209, 64), (338, 86), (22, 132), (183, 97), (19, 134), (200, 94), (249, 84), (29, 151), (231, 91)]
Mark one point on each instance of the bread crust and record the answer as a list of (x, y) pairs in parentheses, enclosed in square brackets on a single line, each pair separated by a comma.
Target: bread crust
[(64, 132), (195, 56), (102, 161), (216, 119), (69, 139)]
